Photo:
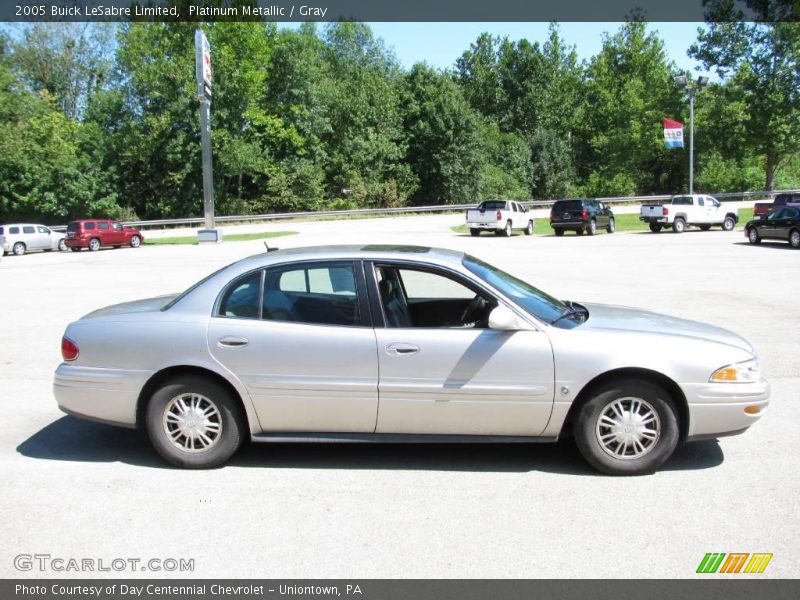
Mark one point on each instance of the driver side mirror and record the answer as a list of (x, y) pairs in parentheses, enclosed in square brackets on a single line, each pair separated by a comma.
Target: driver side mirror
[(504, 319)]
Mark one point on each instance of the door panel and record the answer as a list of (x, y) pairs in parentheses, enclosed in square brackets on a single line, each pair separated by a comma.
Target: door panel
[(302, 377), (464, 381)]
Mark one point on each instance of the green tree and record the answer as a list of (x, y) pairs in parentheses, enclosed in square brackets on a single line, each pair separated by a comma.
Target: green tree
[(759, 61)]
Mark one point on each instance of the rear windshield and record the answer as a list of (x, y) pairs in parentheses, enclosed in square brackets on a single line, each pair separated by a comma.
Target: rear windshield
[(74, 226), (1, 231), (682, 200), (492, 205), (568, 205)]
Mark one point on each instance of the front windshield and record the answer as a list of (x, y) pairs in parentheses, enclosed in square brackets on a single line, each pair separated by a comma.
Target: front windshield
[(536, 302)]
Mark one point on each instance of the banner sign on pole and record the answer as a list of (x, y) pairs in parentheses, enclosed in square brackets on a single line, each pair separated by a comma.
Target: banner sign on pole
[(673, 133)]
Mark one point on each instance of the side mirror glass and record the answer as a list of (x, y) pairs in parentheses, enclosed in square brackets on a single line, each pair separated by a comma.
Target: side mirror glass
[(504, 319)]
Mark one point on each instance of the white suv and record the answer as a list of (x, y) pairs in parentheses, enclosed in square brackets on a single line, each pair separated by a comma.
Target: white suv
[(21, 237)]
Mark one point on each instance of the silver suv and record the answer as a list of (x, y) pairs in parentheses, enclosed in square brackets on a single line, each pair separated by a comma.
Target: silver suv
[(22, 237)]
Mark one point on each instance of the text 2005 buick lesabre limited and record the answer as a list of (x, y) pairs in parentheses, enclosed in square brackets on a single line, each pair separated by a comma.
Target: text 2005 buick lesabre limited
[(398, 343)]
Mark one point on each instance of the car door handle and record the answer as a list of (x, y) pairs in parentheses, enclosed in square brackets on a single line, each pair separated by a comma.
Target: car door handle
[(232, 341), (401, 349)]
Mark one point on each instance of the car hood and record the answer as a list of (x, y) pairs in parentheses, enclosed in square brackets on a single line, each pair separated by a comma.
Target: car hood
[(623, 318), (146, 305)]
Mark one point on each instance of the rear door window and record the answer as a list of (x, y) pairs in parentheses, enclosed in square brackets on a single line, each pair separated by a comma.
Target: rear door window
[(28, 229), (102, 226), (13, 230)]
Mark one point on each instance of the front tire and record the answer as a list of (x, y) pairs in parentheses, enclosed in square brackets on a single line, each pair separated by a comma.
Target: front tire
[(729, 223), (679, 226), (529, 228), (194, 422), (752, 236), (794, 238), (628, 427), (19, 249)]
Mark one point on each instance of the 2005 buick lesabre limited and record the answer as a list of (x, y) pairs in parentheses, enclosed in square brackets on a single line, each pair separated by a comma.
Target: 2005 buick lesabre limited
[(402, 344)]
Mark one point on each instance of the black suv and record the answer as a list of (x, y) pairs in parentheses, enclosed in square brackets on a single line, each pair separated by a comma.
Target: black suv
[(581, 215)]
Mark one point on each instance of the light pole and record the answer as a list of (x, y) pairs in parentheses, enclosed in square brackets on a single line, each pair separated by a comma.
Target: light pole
[(691, 88)]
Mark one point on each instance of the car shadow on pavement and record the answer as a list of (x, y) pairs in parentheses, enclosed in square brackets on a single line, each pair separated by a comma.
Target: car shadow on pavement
[(769, 245), (74, 440)]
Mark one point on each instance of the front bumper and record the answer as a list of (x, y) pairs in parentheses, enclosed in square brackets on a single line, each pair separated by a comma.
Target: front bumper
[(718, 409), (105, 395)]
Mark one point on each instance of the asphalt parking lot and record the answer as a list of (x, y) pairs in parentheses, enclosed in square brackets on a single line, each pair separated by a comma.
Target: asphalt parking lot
[(84, 490)]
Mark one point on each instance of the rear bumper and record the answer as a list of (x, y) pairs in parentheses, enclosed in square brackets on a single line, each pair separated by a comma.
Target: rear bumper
[(718, 409), (105, 395), (662, 220), (567, 224), (487, 226), (76, 243)]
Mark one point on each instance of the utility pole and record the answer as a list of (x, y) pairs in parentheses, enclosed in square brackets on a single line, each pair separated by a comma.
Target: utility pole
[(202, 53)]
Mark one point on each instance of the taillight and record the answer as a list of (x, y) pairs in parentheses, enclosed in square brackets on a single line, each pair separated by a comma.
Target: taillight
[(552, 213), (499, 215), (69, 350), (665, 211), (585, 215)]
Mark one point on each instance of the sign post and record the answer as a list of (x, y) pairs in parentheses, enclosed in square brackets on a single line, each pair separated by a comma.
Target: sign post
[(202, 53)]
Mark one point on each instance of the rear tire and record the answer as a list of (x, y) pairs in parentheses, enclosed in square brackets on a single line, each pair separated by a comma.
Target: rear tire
[(507, 229), (612, 225), (655, 227), (194, 422), (752, 236), (794, 238), (579, 231), (529, 228), (136, 241), (628, 427), (474, 232), (679, 226), (592, 228), (19, 249), (559, 232), (94, 245), (62, 245)]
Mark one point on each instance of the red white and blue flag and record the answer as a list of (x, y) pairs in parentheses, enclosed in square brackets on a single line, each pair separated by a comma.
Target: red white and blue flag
[(673, 133)]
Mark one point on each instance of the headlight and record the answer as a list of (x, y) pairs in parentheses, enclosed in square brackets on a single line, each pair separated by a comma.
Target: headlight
[(743, 372)]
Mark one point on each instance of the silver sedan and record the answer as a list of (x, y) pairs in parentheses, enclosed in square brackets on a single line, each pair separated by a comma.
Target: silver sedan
[(402, 344)]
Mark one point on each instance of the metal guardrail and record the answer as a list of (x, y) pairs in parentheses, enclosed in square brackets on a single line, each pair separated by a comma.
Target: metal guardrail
[(727, 196)]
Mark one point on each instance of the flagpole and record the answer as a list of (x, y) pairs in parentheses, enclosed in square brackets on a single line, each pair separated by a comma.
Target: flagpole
[(691, 143)]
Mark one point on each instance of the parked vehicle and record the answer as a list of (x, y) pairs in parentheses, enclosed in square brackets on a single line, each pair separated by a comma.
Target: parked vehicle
[(689, 210), (402, 344), (581, 216), (19, 238), (500, 217), (784, 199), (783, 224), (96, 233)]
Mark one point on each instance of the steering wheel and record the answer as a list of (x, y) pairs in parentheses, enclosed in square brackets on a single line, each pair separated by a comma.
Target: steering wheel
[(473, 310)]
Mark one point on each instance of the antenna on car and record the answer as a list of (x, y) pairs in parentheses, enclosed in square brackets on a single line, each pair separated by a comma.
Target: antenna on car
[(266, 245)]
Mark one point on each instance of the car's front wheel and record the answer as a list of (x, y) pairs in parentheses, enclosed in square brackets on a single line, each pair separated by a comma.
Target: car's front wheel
[(628, 427), (195, 422)]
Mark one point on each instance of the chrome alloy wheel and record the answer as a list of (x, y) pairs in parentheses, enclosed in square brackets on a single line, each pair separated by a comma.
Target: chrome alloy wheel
[(628, 428), (192, 423)]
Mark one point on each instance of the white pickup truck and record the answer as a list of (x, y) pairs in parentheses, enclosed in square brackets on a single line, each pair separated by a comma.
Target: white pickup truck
[(682, 211), (499, 216)]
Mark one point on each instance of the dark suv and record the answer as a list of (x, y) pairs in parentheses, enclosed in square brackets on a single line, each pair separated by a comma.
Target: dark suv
[(581, 215)]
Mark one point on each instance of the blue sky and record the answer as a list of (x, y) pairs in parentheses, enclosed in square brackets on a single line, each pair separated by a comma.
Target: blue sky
[(440, 44)]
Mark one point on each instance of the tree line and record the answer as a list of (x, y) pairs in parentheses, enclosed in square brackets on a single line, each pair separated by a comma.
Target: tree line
[(102, 119)]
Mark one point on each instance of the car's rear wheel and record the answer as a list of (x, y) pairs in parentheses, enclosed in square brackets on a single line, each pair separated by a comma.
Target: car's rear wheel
[(794, 238), (136, 241), (592, 228), (507, 229), (655, 227), (19, 249), (194, 422), (752, 236), (529, 228), (559, 232), (679, 226), (729, 223), (579, 231), (474, 232), (62, 245), (612, 225), (629, 427), (94, 245)]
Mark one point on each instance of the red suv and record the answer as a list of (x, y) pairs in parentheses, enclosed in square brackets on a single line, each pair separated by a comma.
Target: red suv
[(94, 233)]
